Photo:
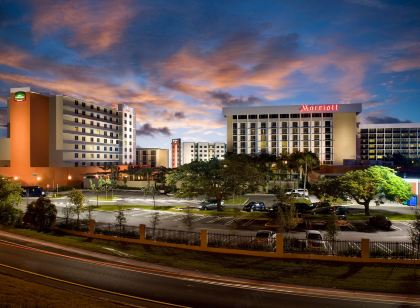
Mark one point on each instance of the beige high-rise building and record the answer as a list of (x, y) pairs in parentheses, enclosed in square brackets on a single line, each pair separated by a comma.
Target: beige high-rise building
[(152, 157), (328, 130)]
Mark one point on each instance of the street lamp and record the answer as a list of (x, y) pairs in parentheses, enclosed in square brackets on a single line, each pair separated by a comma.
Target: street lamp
[(69, 177), (16, 178)]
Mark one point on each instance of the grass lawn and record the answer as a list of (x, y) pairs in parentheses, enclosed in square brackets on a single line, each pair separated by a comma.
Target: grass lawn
[(239, 200), (230, 212), (360, 215), (379, 278)]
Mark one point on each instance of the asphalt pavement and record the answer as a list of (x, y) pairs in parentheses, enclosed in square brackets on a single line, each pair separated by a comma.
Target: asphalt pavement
[(139, 286)]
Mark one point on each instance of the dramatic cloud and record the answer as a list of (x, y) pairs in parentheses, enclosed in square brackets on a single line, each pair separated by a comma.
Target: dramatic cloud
[(148, 130), (93, 25), (226, 99), (403, 57), (179, 115), (385, 120)]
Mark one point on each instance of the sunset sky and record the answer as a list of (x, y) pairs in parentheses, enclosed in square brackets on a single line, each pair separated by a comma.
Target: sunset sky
[(179, 62)]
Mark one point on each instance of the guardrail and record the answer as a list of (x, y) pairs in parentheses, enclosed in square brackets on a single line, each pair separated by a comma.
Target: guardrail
[(276, 247)]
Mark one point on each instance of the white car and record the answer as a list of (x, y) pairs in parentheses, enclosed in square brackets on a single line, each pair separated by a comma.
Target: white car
[(315, 241), (299, 191)]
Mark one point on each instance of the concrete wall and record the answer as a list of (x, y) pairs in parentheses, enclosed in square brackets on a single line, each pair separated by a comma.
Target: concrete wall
[(344, 137), (4, 152)]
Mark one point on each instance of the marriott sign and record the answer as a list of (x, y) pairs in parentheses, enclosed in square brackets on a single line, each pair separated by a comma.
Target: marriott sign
[(311, 108)]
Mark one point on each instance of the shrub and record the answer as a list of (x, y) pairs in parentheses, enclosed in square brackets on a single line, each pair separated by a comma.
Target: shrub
[(40, 214)]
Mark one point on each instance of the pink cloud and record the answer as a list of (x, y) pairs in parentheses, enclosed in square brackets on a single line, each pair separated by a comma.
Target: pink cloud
[(94, 26)]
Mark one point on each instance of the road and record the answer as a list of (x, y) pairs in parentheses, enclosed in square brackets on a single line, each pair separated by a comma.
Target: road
[(139, 286)]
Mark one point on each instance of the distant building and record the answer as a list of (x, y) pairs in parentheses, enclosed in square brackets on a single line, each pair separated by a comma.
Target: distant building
[(152, 157), (205, 151), (176, 152), (328, 130), (377, 141)]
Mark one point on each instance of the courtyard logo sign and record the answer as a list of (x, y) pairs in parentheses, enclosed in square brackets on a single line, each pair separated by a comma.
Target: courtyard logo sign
[(20, 96), (311, 108)]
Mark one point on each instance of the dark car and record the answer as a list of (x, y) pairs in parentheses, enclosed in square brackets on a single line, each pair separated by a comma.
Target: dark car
[(340, 211), (380, 222), (254, 206), (32, 191)]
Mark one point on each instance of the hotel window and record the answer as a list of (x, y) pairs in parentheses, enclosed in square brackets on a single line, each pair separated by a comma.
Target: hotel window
[(306, 115), (327, 115), (83, 104), (263, 116), (76, 155), (327, 123), (235, 125), (76, 111), (76, 102), (83, 138), (76, 120), (235, 117), (284, 116), (305, 124), (76, 137), (76, 146), (295, 115), (294, 124), (284, 124), (273, 116), (242, 117), (316, 115), (83, 155), (284, 131), (252, 116), (273, 124)]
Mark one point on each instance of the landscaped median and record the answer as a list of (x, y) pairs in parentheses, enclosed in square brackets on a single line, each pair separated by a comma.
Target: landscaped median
[(397, 278)]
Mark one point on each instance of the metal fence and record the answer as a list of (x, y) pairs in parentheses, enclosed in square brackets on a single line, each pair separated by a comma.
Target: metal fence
[(72, 224), (117, 230), (173, 236), (245, 242), (324, 247), (394, 250)]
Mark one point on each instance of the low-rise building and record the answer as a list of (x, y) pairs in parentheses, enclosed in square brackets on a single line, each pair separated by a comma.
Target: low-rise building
[(153, 157), (204, 151)]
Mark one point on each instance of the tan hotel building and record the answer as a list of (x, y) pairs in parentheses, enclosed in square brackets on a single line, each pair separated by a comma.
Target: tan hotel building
[(330, 130), (63, 133)]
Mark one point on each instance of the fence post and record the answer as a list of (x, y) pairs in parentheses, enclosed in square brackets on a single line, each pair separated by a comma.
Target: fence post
[(203, 238), (365, 248), (279, 244), (142, 232), (91, 226)]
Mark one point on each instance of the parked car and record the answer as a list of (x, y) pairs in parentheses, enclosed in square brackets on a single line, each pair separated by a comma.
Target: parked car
[(340, 211), (314, 240), (254, 206), (298, 192), (265, 237), (32, 191), (210, 204), (380, 222)]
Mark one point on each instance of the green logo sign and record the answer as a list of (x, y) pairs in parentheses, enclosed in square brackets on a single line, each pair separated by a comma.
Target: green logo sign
[(20, 96)]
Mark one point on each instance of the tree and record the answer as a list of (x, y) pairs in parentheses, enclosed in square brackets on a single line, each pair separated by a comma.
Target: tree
[(287, 217), (120, 219), (154, 221), (96, 188), (105, 184), (77, 198), (41, 214), (10, 197), (329, 189), (376, 182), (303, 162), (188, 218)]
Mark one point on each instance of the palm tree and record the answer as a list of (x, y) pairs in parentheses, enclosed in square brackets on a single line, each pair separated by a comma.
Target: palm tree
[(303, 162)]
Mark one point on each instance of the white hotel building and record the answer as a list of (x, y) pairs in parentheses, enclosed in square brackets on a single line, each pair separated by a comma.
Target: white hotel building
[(205, 151), (330, 131)]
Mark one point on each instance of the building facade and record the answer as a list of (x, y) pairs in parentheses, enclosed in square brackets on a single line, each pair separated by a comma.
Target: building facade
[(152, 157), (63, 131), (205, 151), (379, 141), (328, 130), (176, 153)]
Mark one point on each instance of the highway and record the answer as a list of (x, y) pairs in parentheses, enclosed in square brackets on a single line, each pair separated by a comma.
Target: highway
[(153, 288)]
